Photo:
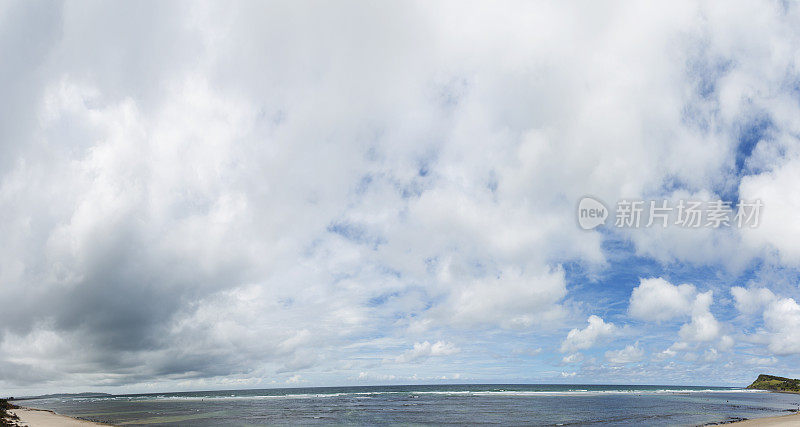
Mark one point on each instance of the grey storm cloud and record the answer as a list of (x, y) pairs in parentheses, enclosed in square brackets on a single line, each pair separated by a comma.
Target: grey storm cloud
[(29, 32)]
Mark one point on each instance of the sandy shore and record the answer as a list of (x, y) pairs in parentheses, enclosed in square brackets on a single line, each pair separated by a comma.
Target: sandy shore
[(42, 418), (780, 421)]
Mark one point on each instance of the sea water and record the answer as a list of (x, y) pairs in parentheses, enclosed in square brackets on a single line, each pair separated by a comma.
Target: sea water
[(502, 404)]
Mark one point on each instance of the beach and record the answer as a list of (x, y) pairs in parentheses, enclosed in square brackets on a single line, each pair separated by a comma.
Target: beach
[(45, 418), (781, 421)]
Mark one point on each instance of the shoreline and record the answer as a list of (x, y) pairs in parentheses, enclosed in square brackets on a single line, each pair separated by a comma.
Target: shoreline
[(45, 418), (33, 417), (775, 421)]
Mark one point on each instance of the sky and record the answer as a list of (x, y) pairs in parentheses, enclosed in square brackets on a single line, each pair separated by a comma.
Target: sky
[(223, 195)]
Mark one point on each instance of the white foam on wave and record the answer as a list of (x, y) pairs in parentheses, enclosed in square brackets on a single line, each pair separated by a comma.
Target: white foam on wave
[(509, 393)]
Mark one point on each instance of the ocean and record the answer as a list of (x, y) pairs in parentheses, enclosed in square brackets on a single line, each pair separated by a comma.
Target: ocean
[(503, 404)]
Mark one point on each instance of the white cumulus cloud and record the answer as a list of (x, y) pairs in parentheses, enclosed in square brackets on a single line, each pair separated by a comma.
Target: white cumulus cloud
[(629, 354), (781, 317), (424, 350), (582, 339), (656, 299)]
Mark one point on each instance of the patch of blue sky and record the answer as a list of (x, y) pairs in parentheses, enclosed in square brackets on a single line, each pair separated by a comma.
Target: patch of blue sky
[(381, 299), (608, 291), (356, 233), (751, 133), (364, 184)]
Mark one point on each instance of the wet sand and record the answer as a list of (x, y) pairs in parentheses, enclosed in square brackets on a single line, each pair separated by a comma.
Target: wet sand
[(42, 418), (780, 421)]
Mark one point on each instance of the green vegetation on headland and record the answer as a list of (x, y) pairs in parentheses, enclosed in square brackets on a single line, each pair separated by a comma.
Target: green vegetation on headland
[(7, 418), (773, 383)]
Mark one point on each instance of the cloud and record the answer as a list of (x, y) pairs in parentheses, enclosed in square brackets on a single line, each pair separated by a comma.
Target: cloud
[(761, 361), (512, 299), (295, 379), (658, 300), (666, 354), (703, 326), (629, 354), (528, 351), (781, 317), (424, 350), (725, 343), (752, 301), (582, 339), (777, 229), (710, 355)]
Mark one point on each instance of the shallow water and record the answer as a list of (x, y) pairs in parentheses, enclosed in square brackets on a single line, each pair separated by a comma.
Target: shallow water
[(433, 404)]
